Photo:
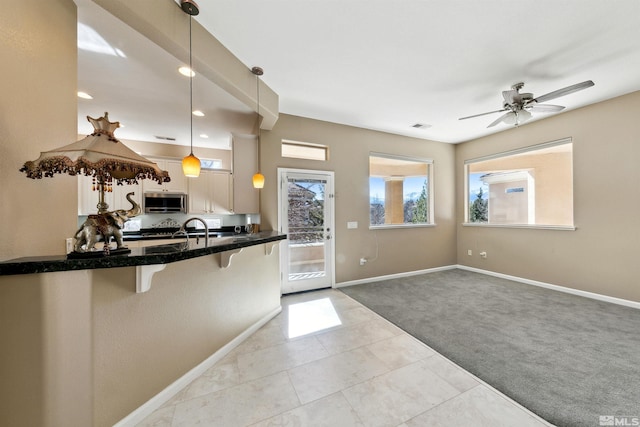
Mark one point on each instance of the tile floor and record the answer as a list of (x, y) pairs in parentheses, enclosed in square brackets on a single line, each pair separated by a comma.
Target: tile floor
[(326, 360)]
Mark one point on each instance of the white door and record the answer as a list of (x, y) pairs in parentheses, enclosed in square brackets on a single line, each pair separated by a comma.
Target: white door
[(306, 215)]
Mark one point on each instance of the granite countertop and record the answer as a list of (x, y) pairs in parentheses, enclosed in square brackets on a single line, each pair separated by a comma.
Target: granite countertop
[(161, 254)]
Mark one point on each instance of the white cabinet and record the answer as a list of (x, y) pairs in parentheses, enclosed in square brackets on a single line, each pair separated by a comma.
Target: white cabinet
[(120, 196), (178, 183), (210, 193), (116, 199), (222, 202), (245, 164), (88, 197)]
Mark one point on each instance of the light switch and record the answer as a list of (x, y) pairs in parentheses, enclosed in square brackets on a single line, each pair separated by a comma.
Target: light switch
[(352, 224)]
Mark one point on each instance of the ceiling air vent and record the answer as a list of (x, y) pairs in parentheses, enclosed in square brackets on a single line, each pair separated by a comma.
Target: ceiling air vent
[(421, 126), (166, 138)]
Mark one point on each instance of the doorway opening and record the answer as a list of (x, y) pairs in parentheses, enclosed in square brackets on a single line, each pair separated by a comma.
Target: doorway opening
[(306, 215)]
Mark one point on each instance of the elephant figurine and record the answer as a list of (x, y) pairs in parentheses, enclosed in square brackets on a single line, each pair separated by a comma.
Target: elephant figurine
[(106, 224)]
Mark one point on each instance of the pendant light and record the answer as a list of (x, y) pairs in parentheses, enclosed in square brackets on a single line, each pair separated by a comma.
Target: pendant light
[(190, 164), (258, 178)]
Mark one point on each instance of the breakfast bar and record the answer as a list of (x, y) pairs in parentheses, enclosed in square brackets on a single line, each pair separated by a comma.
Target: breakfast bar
[(81, 314), (149, 255)]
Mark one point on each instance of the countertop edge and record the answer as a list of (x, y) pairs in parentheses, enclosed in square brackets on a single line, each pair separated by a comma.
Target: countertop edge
[(139, 256)]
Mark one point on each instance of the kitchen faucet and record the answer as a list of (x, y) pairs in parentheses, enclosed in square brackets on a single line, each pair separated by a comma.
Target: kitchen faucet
[(183, 229)]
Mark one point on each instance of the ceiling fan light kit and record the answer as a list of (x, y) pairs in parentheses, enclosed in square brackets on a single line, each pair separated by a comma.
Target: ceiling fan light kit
[(518, 106)]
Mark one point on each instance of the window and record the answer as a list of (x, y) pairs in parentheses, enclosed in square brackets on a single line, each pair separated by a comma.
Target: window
[(400, 191), (531, 187), (305, 150), (210, 163)]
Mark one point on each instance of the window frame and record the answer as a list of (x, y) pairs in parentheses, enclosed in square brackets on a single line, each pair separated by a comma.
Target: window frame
[(430, 191), (307, 145), (545, 145)]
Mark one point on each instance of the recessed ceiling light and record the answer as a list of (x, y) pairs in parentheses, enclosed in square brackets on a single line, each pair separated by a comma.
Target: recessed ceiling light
[(186, 71), (198, 113), (84, 95), (204, 135)]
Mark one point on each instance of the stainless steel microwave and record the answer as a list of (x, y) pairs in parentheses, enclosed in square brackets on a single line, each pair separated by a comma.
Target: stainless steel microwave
[(165, 202)]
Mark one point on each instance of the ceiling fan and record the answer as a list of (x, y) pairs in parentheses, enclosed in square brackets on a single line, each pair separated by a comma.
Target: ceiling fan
[(518, 106)]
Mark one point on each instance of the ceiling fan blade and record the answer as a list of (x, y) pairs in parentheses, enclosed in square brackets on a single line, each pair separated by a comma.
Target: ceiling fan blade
[(564, 91), (502, 118), (545, 108), (482, 114)]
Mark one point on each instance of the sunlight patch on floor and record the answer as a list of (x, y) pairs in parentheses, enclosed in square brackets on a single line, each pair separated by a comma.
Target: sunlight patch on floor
[(312, 316)]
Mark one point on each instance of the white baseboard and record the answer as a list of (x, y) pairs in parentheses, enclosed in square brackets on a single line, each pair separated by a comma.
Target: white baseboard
[(165, 395), (592, 295), (394, 276)]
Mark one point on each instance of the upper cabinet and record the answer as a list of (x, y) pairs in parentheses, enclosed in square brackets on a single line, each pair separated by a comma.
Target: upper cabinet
[(213, 192), (88, 196), (210, 193), (178, 183), (120, 196), (245, 163)]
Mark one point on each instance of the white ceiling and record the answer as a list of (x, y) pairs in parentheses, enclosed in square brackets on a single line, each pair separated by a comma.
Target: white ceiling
[(381, 64), (138, 84)]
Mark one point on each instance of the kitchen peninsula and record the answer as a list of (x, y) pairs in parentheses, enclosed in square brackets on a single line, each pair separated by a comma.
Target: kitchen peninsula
[(161, 254), (108, 350)]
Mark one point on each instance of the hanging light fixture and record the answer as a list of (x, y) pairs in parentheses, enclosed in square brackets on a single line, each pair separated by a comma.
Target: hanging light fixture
[(258, 178), (190, 164)]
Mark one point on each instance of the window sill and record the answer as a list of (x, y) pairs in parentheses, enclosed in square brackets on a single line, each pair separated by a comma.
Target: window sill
[(385, 226), (526, 226)]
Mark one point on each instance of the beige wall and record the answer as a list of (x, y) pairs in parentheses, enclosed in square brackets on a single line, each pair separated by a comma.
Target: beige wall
[(45, 362), (600, 255), (37, 113), (400, 250), (21, 357), (144, 342)]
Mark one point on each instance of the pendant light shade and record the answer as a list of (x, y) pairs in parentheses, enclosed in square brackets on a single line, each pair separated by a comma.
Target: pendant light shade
[(258, 178), (190, 164)]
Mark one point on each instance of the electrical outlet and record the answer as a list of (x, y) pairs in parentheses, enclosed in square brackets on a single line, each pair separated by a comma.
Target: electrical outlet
[(363, 261), (470, 252), (68, 244), (352, 224), (483, 254)]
